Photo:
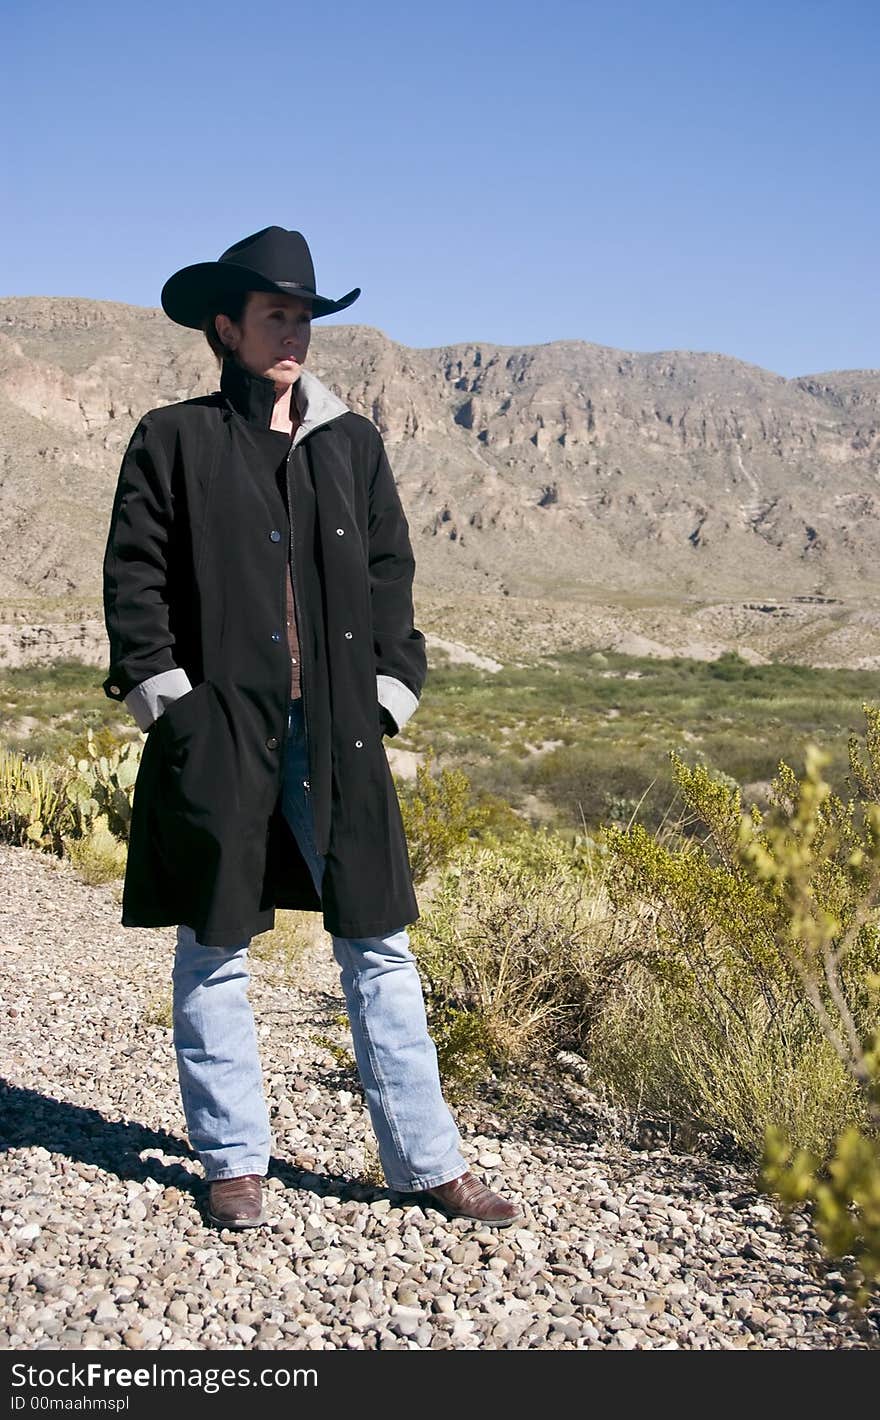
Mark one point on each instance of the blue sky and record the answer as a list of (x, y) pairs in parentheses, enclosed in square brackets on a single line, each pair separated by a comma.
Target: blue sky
[(650, 176)]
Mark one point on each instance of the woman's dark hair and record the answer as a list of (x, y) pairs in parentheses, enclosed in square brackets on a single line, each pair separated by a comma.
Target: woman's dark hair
[(234, 307)]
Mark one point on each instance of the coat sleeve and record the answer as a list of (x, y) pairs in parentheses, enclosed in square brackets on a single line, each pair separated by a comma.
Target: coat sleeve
[(401, 659), (143, 670)]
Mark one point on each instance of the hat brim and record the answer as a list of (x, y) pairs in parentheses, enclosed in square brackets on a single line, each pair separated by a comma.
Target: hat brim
[(189, 296)]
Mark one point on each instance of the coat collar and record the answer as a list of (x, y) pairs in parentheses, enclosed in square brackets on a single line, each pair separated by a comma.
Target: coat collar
[(253, 397)]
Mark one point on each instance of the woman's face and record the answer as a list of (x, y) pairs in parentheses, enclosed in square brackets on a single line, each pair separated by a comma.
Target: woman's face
[(272, 337)]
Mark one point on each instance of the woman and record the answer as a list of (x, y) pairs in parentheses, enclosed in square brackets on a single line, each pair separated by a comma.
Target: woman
[(258, 602)]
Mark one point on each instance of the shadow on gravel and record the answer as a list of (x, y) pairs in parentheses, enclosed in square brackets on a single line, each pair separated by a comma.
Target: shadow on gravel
[(30, 1120)]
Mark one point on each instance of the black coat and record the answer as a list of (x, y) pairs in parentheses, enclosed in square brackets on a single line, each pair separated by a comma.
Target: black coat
[(195, 585)]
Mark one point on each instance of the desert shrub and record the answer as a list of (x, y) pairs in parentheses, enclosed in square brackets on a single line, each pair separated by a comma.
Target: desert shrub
[(512, 953), (730, 1042), (713, 1063), (832, 944), (844, 1191), (97, 855), (467, 1049), (438, 817), (761, 1004)]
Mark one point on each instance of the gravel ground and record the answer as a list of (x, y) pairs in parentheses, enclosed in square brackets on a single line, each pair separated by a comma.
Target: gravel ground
[(104, 1242)]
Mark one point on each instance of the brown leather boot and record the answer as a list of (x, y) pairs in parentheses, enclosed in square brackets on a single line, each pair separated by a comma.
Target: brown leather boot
[(467, 1197), (236, 1202)]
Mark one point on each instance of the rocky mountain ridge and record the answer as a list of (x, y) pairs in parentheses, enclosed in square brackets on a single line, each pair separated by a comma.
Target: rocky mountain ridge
[(568, 471)]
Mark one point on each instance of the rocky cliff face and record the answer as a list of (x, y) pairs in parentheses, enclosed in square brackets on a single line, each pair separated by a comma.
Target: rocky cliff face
[(559, 470)]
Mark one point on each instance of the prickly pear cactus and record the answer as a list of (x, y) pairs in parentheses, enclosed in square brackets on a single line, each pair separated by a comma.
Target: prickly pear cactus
[(103, 785)]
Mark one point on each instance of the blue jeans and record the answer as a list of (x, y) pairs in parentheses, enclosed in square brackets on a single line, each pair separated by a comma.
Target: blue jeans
[(215, 1041)]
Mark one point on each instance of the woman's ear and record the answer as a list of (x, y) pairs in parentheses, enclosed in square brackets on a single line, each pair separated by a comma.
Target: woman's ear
[(226, 331)]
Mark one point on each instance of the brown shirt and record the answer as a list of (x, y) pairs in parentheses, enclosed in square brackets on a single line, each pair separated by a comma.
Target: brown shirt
[(292, 638)]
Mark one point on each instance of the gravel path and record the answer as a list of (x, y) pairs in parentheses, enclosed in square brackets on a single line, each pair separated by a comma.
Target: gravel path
[(103, 1240)]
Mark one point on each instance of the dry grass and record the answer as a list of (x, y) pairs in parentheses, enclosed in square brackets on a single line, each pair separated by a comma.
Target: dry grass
[(159, 1010), (100, 858), (283, 948)]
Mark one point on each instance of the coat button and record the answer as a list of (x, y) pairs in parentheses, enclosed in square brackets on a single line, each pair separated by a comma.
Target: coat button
[(340, 531), (275, 535), (276, 635), (114, 690), (358, 744), (348, 635), (271, 742)]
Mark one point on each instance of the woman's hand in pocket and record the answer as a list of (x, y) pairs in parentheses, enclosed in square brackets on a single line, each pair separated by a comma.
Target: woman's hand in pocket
[(387, 721)]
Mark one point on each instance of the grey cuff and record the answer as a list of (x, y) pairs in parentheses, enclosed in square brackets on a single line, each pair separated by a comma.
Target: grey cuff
[(397, 698), (148, 700)]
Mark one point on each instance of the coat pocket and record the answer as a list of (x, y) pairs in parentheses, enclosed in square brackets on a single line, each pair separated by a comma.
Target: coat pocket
[(193, 750), (195, 799), (183, 717)]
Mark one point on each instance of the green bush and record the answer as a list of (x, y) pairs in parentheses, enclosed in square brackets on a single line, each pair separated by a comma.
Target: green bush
[(512, 954), (713, 1063), (438, 817), (730, 1040), (762, 1000), (97, 855), (832, 943)]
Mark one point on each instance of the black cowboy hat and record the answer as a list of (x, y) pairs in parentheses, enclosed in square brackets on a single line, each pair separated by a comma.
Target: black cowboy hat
[(270, 260)]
